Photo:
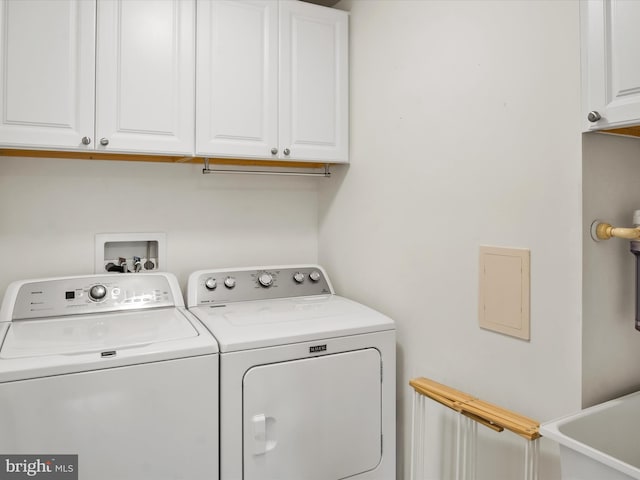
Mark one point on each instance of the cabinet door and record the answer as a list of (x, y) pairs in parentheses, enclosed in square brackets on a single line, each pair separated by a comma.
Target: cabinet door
[(314, 82), (145, 76), (47, 63), (237, 70), (611, 66)]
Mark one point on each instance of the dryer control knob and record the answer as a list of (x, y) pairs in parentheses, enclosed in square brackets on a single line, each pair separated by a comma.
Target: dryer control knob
[(97, 292), (266, 279), (298, 277), (229, 282), (314, 276), (210, 283)]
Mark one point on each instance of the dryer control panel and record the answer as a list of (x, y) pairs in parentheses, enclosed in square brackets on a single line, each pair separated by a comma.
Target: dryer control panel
[(238, 285), (93, 294)]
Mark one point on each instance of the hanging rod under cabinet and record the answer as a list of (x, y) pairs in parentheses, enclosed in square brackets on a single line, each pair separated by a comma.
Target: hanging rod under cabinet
[(208, 170)]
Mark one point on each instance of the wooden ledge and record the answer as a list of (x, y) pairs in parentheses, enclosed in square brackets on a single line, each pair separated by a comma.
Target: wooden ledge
[(130, 157), (627, 131), (487, 414)]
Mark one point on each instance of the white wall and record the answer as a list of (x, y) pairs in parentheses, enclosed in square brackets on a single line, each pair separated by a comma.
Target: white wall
[(611, 345), (464, 132), (50, 211)]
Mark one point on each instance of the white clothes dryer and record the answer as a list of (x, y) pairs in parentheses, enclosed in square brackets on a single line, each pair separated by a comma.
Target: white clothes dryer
[(307, 378), (111, 368)]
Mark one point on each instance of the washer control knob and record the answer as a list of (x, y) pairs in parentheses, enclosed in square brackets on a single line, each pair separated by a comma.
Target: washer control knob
[(97, 293), (210, 283), (266, 279), (314, 276), (298, 277), (229, 282)]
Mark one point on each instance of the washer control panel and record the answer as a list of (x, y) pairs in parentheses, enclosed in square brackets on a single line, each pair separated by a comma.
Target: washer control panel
[(224, 286), (85, 295)]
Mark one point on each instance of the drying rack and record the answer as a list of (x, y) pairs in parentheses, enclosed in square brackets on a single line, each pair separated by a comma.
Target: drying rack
[(473, 411)]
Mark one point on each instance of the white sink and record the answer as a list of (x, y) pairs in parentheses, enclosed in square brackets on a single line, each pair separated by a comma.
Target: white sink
[(601, 442)]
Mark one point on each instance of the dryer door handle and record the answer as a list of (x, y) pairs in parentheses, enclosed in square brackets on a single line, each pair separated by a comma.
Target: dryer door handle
[(263, 434)]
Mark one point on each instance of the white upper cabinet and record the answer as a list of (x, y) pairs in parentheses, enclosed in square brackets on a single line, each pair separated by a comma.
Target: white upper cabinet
[(237, 79), (314, 82), (128, 89), (610, 63), (272, 81), (145, 71), (47, 63)]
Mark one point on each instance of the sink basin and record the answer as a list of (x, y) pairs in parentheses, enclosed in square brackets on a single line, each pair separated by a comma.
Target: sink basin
[(600, 442)]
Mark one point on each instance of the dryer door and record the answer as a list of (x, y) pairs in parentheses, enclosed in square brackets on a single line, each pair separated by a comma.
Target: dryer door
[(314, 419)]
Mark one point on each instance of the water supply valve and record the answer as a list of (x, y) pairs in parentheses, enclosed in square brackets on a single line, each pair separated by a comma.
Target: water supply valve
[(120, 268)]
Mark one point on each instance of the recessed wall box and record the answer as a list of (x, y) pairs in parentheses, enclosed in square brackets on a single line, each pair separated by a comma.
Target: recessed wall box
[(130, 252)]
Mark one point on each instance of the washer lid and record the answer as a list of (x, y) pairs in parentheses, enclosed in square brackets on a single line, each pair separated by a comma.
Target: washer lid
[(94, 333), (265, 323)]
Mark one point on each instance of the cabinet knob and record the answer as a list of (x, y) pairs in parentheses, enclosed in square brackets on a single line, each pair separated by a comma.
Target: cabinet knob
[(104, 141), (286, 151), (593, 116), (274, 151), (86, 140)]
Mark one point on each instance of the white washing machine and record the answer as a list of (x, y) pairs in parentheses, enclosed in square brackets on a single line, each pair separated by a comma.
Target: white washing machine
[(307, 378), (112, 369)]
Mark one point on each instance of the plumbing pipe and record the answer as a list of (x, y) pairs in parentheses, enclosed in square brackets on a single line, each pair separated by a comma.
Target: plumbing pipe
[(604, 231)]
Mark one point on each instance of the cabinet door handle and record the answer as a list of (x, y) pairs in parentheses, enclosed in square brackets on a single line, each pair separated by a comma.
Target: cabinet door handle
[(104, 141), (274, 151), (286, 151), (593, 116), (86, 140)]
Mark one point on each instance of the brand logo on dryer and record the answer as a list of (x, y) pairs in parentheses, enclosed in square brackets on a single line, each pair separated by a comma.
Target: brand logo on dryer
[(318, 348)]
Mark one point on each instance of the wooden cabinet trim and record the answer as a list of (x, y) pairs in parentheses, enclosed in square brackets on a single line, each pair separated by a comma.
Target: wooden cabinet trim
[(90, 155)]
